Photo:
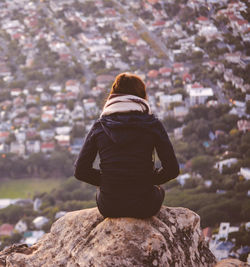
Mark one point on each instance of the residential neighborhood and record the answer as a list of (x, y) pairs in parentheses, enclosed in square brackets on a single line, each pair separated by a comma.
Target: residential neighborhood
[(35, 96), (58, 60)]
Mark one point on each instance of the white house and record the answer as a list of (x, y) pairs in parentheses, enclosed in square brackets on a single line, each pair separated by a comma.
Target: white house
[(63, 140), (90, 107), (20, 135), (5, 202), (199, 96), (183, 177), (72, 86), (225, 229), (208, 31), (4, 148), (17, 148), (60, 214), (178, 133), (37, 204), (55, 87), (21, 226), (47, 134), (33, 146), (245, 172), (77, 113), (35, 236), (226, 162), (40, 221), (63, 130), (166, 100), (233, 57)]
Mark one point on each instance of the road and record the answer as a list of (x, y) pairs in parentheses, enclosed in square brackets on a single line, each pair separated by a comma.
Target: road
[(130, 17), (87, 73)]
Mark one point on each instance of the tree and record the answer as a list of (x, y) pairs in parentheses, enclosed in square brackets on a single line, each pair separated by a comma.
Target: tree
[(72, 28), (17, 84), (221, 20), (43, 45), (248, 107), (202, 164), (11, 214), (199, 127), (197, 55), (171, 123), (241, 238), (200, 41)]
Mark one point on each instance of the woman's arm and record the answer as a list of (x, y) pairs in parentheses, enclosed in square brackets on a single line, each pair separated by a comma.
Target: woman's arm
[(165, 151), (83, 165)]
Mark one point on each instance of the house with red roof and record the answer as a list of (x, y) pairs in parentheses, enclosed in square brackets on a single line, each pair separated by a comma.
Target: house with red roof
[(178, 67), (15, 91), (63, 140), (6, 229), (47, 117), (152, 2), (47, 147), (159, 23), (3, 136), (72, 85), (152, 74), (203, 20), (207, 233), (187, 78), (104, 80), (59, 97), (164, 71)]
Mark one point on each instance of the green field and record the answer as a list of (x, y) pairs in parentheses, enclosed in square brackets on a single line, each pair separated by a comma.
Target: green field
[(26, 188)]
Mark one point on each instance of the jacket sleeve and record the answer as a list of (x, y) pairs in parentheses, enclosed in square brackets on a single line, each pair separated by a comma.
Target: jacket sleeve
[(165, 151), (83, 165)]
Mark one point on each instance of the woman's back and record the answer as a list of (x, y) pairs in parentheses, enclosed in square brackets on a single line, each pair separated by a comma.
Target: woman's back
[(125, 137)]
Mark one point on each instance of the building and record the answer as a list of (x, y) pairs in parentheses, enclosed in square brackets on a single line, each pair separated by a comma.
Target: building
[(17, 148), (32, 237), (6, 229), (33, 146), (227, 162), (21, 226), (47, 147), (183, 177), (40, 221), (199, 96), (166, 100), (243, 125), (245, 172), (225, 229)]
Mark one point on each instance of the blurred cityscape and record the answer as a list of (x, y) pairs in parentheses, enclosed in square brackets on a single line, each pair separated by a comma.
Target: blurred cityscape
[(58, 60)]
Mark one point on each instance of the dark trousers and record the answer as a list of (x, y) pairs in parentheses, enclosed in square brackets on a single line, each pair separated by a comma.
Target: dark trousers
[(154, 207)]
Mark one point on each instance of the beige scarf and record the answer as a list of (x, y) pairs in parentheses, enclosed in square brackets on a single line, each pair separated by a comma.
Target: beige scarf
[(125, 103)]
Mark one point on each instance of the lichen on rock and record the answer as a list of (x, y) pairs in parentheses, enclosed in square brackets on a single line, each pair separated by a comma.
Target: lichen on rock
[(84, 238)]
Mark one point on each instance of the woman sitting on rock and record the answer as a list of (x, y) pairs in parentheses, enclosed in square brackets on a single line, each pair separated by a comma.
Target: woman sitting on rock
[(125, 136)]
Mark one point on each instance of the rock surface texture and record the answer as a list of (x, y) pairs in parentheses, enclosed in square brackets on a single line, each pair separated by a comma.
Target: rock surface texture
[(84, 238), (232, 263)]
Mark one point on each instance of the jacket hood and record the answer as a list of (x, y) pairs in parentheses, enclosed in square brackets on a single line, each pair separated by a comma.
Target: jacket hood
[(125, 128)]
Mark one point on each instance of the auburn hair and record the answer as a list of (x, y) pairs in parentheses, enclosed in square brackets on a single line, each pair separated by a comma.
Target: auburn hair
[(131, 84)]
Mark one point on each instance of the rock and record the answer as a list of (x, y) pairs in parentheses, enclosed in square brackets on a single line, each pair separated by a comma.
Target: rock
[(84, 238), (24, 249), (232, 263)]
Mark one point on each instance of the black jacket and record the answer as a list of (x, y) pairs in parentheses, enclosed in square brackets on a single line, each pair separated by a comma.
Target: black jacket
[(125, 143)]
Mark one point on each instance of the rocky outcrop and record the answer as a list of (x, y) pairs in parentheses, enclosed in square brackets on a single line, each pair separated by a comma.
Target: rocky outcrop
[(232, 263), (84, 238)]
